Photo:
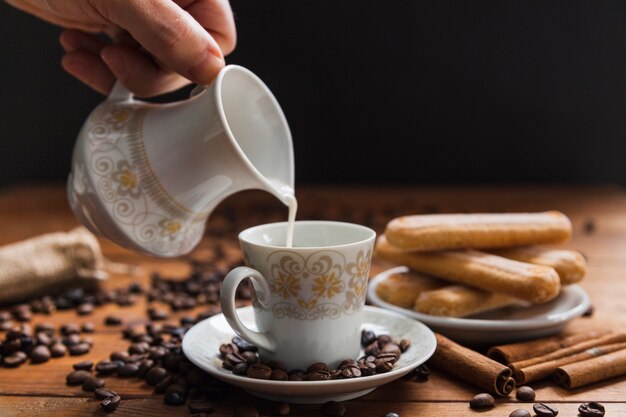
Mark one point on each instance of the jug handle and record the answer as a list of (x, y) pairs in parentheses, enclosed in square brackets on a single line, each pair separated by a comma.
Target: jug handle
[(120, 93)]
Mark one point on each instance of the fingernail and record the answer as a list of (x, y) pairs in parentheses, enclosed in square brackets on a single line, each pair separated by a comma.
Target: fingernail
[(114, 62), (207, 69)]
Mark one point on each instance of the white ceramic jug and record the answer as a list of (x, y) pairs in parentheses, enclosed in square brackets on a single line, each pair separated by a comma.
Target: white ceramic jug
[(147, 175)]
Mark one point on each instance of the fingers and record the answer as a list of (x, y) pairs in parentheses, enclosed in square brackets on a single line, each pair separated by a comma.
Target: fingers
[(82, 60), (169, 33), (138, 72), (216, 17)]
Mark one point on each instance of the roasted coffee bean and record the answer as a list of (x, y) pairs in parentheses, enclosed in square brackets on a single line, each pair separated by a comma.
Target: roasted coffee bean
[(155, 375), (350, 371), (110, 403), (318, 376), (127, 370), (520, 413), (482, 401), (259, 371), (367, 368), (71, 340), (79, 349), (70, 328), (105, 367), (57, 350), (251, 357), (144, 367), (246, 411), (43, 338), (161, 387), (422, 372), (335, 373), (367, 337), (40, 354), (15, 359), (119, 355), (5, 316), (77, 377), (243, 345), (92, 383), (404, 345), (318, 366), (391, 415), (383, 339), (156, 314), (347, 362), (44, 327), (83, 366), (157, 352), (525, 393), (279, 375), (102, 393), (281, 409), (199, 405), (234, 358), (6, 325), (391, 348), (227, 348), (84, 309), (87, 327), (112, 321), (138, 348), (333, 409), (372, 349), (10, 346), (174, 398), (591, 409), (545, 410)]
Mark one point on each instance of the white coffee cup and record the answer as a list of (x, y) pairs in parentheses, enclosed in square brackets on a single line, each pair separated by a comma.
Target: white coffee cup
[(308, 299)]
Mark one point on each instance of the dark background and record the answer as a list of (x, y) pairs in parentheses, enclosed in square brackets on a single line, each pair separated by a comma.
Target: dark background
[(381, 91)]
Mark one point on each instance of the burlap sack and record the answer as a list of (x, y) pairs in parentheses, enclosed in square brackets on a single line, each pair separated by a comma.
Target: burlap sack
[(48, 264)]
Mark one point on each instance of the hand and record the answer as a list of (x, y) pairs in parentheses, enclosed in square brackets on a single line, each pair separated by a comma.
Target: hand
[(157, 45)]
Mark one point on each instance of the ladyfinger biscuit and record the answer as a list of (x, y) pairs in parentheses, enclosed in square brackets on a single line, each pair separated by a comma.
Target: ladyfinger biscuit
[(454, 231), (402, 289), (534, 283), (569, 264), (460, 301)]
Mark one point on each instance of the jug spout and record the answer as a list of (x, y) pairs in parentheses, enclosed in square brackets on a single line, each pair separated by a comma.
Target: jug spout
[(230, 137)]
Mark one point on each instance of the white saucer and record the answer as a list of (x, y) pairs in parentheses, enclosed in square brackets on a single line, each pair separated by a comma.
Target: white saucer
[(504, 325), (201, 345)]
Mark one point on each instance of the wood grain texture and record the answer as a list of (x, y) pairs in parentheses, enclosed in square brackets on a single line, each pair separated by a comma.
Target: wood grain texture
[(598, 214)]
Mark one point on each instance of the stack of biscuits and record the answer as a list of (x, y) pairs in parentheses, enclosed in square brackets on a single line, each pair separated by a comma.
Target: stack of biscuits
[(465, 264)]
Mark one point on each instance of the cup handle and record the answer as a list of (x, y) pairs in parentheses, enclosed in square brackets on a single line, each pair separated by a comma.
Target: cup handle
[(120, 93), (227, 301)]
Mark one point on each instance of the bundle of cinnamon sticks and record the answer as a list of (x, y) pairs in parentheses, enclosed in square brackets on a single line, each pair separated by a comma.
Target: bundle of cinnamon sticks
[(573, 361)]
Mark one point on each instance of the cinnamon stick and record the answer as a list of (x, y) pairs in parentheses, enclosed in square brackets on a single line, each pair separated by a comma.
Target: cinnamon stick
[(592, 370), (545, 369), (519, 351), (571, 350), (472, 367)]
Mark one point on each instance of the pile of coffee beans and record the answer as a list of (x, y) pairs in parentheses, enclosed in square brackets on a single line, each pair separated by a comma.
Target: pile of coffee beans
[(22, 343), (380, 355)]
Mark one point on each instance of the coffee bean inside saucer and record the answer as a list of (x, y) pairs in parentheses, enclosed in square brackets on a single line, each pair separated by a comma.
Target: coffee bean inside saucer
[(381, 355)]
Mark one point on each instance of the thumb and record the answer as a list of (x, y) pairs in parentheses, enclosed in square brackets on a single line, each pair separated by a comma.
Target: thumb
[(169, 33)]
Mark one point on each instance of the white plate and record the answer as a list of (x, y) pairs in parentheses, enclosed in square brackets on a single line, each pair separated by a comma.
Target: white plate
[(508, 324), (201, 345)]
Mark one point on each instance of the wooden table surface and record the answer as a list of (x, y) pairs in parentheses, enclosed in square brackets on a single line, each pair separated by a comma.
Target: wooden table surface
[(598, 214)]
